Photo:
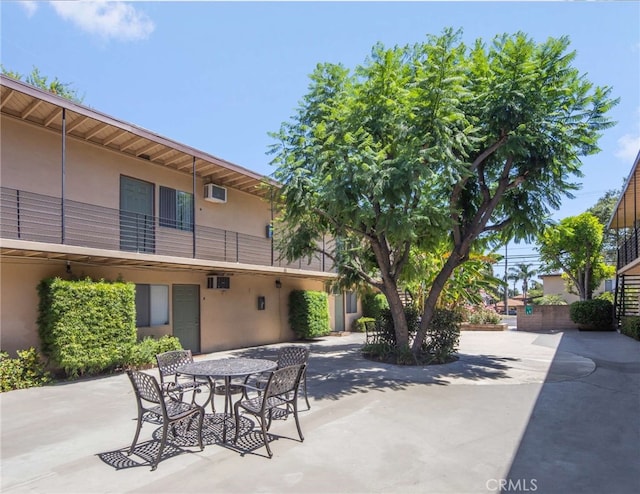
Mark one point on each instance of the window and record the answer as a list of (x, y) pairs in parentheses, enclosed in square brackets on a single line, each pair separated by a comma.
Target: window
[(176, 209), (152, 305), (352, 302)]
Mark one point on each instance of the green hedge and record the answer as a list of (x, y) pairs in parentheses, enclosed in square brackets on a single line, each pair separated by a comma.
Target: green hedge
[(360, 325), (86, 326), (373, 304), (596, 314), (631, 326), (309, 313)]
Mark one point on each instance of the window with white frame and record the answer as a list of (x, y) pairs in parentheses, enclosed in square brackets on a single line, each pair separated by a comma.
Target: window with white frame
[(152, 305)]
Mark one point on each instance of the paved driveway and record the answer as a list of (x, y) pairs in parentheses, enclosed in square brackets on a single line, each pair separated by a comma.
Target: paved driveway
[(518, 412)]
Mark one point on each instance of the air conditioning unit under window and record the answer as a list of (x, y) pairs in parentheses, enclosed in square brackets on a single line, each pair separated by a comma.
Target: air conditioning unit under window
[(215, 193), (218, 282)]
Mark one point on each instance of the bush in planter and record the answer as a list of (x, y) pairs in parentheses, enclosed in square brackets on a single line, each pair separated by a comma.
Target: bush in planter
[(594, 315), (443, 335), (482, 315), (25, 371), (309, 313), (143, 353), (360, 325)]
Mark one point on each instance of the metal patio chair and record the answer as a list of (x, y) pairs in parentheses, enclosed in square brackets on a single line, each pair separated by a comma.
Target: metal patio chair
[(287, 356), (281, 391), (155, 407), (172, 383)]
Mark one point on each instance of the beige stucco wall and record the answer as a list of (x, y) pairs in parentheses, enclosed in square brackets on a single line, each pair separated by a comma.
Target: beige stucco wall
[(556, 285), (31, 161), (228, 319)]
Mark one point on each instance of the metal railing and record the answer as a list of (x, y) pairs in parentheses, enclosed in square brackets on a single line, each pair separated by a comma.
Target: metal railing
[(628, 250), (39, 218)]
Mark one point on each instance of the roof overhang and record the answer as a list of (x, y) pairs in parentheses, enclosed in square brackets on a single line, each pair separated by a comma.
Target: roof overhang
[(21, 249), (44, 109), (627, 210)]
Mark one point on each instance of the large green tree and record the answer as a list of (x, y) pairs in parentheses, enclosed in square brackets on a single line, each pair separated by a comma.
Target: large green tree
[(574, 246), (603, 210), (429, 143)]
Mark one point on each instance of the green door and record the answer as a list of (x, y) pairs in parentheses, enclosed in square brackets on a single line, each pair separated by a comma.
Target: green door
[(137, 229), (186, 316), (339, 312)]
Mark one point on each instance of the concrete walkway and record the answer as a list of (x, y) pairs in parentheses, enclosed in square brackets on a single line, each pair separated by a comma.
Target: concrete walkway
[(518, 412)]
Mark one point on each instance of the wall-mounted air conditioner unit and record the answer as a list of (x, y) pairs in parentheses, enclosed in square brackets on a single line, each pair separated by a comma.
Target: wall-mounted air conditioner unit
[(215, 193), (215, 282)]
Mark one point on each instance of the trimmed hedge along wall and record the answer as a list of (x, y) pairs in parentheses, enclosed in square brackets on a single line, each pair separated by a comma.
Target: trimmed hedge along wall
[(631, 326), (86, 326), (309, 313)]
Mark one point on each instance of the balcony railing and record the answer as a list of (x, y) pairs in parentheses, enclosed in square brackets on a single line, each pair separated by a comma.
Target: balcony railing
[(40, 218), (628, 250)]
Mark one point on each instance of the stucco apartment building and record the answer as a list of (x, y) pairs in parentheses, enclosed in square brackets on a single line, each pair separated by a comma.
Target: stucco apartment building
[(84, 194), (626, 221)]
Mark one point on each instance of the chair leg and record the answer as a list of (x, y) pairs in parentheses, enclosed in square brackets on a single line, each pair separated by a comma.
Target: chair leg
[(295, 416), (163, 441), (304, 385), (137, 434), (264, 436)]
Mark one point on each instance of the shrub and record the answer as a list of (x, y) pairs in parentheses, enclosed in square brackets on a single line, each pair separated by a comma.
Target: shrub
[(25, 371), (550, 300), (387, 332), (443, 336), (360, 325), (631, 326), (143, 354), (309, 313), (606, 296), (86, 326), (482, 315), (596, 314), (373, 304)]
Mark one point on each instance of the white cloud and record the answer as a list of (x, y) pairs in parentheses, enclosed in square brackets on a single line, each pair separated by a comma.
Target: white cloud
[(118, 20), (30, 6), (628, 147)]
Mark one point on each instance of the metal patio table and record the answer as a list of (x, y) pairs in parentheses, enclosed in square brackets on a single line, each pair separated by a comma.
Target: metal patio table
[(226, 368)]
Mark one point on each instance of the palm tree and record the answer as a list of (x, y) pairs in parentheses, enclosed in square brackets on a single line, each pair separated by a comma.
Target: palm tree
[(523, 272)]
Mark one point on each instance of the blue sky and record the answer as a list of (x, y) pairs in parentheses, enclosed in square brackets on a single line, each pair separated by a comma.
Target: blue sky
[(220, 75)]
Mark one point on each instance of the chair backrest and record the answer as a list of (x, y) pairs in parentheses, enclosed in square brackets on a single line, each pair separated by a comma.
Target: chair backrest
[(146, 387), (292, 355), (284, 380), (168, 362)]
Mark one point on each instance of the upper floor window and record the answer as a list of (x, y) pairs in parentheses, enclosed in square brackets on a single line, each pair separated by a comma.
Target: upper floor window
[(176, 209)]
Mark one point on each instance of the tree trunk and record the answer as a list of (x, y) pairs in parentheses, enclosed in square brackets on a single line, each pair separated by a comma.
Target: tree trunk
[(397, 313), (432, 299)]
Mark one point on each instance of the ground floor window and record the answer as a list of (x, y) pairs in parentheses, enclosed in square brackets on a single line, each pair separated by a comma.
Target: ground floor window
[(352, 302), (152, 305)]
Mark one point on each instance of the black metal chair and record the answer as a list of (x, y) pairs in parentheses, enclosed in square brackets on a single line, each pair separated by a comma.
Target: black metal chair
[(281, 391), (287, 356), (155, 407), (172, 383)]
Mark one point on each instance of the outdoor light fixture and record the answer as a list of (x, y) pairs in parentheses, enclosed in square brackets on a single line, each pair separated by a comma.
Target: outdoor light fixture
[(278, 284)]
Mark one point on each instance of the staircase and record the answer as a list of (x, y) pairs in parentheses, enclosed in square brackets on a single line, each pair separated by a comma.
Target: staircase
[(627, 296), (405, 297)]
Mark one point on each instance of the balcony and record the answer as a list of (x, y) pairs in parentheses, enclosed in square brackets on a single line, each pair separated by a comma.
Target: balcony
[(40, 218), (628, 250)]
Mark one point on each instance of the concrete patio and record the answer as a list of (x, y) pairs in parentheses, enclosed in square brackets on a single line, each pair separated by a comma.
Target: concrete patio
[(518, 412)]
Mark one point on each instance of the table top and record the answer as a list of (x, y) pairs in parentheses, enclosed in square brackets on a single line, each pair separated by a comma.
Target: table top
[(227, 367)]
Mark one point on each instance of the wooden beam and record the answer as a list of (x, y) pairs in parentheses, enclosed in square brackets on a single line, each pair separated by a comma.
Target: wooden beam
[(6, 99), (130, 142), (146, 148), (52, 116), (109, 139), (162, 153), (95, 131), (30, 109), (76, 123)]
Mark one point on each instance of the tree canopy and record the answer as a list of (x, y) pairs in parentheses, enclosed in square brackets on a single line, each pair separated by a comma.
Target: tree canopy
[(574, 246), (433, 143), (38, 80)]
